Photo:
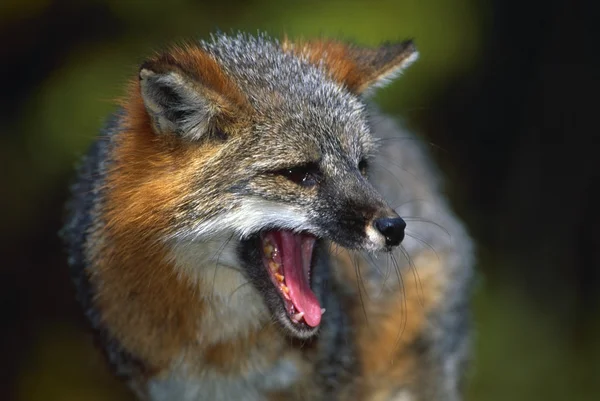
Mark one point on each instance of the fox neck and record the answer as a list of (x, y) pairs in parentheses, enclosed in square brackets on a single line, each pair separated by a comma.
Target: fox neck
[(234, 307), (166, 303)]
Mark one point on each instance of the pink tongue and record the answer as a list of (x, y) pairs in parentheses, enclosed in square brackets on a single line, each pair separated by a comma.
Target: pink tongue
[(296, 254)]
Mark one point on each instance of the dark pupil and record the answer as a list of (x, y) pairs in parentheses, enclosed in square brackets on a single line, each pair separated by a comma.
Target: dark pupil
[(306, 176)]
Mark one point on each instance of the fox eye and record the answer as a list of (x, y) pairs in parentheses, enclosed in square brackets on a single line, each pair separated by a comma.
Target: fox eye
[(307, 175), (362, 166)]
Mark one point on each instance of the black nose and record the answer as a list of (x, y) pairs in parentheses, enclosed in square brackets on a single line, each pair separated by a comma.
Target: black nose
[(392, 229)]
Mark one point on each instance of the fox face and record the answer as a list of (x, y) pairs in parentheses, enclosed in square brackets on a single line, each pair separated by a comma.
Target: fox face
[(274, 144)]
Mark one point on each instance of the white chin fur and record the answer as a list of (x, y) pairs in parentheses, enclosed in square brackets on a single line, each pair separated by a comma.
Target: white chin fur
[(212, 266)]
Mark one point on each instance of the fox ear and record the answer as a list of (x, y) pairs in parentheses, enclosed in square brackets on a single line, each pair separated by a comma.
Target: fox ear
[(188, 95), (360, 68)]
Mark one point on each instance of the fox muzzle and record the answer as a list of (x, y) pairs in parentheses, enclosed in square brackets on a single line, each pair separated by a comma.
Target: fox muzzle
[(392, 229)]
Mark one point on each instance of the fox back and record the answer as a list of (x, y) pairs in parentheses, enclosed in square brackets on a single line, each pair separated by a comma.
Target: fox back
[(246, 227)]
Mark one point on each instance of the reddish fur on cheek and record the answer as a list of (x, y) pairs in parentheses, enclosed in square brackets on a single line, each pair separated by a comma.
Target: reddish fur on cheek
[(144, 303)]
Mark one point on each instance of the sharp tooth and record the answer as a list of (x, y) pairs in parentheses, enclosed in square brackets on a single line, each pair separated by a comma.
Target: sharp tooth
[(296, 318), (273, 266), (268, 249), (279, 277), (286, 291), (323, 310)]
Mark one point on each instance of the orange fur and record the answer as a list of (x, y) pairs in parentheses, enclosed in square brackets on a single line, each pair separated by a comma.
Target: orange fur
[(393, 323), (142, 303), (154, 311), (194, 62), (337, 58), (357, 68), (231, 357), (145, 303)]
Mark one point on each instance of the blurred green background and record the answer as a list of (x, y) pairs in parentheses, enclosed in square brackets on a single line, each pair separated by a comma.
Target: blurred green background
[(501, 92)]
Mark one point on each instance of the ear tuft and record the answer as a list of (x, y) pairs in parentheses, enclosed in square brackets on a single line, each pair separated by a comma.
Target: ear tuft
[(358, 68), (186, 93), (388, 62)]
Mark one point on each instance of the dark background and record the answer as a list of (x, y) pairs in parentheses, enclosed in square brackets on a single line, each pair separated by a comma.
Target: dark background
[(505, 91)]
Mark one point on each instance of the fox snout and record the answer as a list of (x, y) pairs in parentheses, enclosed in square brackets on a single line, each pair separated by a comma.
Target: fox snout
[(356, 216), (392, 229), (384, 231), (383, 227)]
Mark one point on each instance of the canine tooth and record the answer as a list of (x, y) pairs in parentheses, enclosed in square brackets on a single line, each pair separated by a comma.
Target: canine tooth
[(296, 318), (323, 310), (273, 266), (279, 277)]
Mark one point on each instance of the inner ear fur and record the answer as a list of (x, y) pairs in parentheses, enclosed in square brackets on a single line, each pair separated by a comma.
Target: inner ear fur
[(186, 92), (358, 68)]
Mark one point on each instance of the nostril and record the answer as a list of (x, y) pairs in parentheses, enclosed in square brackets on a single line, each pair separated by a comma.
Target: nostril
[(392, 229)]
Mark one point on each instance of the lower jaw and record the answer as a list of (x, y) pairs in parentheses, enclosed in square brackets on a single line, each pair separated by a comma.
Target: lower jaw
[(281, 311), (249, 251), (300, 331)]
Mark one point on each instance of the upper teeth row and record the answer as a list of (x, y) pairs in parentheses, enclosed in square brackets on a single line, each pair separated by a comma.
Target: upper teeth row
[(269, 249), (270, 253), (274, 266)]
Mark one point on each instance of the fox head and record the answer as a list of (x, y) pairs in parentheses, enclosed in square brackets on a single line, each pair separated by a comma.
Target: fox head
[(269, 143)]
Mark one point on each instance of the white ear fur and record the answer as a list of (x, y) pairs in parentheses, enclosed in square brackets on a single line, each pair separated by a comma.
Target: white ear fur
[(387, 76), (382, 65)]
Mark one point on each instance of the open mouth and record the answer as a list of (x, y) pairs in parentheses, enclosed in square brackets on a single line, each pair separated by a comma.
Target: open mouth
[(287, 257)]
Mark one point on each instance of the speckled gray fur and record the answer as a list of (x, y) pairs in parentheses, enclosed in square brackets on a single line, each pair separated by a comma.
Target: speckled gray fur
[(405, 176), (320, 114)]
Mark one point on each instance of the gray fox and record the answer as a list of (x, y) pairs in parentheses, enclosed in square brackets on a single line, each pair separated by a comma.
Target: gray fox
[(230, 235)]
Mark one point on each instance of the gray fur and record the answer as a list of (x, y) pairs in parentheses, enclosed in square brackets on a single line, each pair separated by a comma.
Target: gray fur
[(182, 109), (405, 176), (214, 386), (300, 116)]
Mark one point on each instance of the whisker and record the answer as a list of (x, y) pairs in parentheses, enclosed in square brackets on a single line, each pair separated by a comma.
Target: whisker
[(358, 281), (218, 256), (357, 266), (418, 139), (369, 259), (413, 268), (388, 160), (338, 250), (403, 305), (409, 202), (427, 244), (238, 288), (422, 220), (379, 165)]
